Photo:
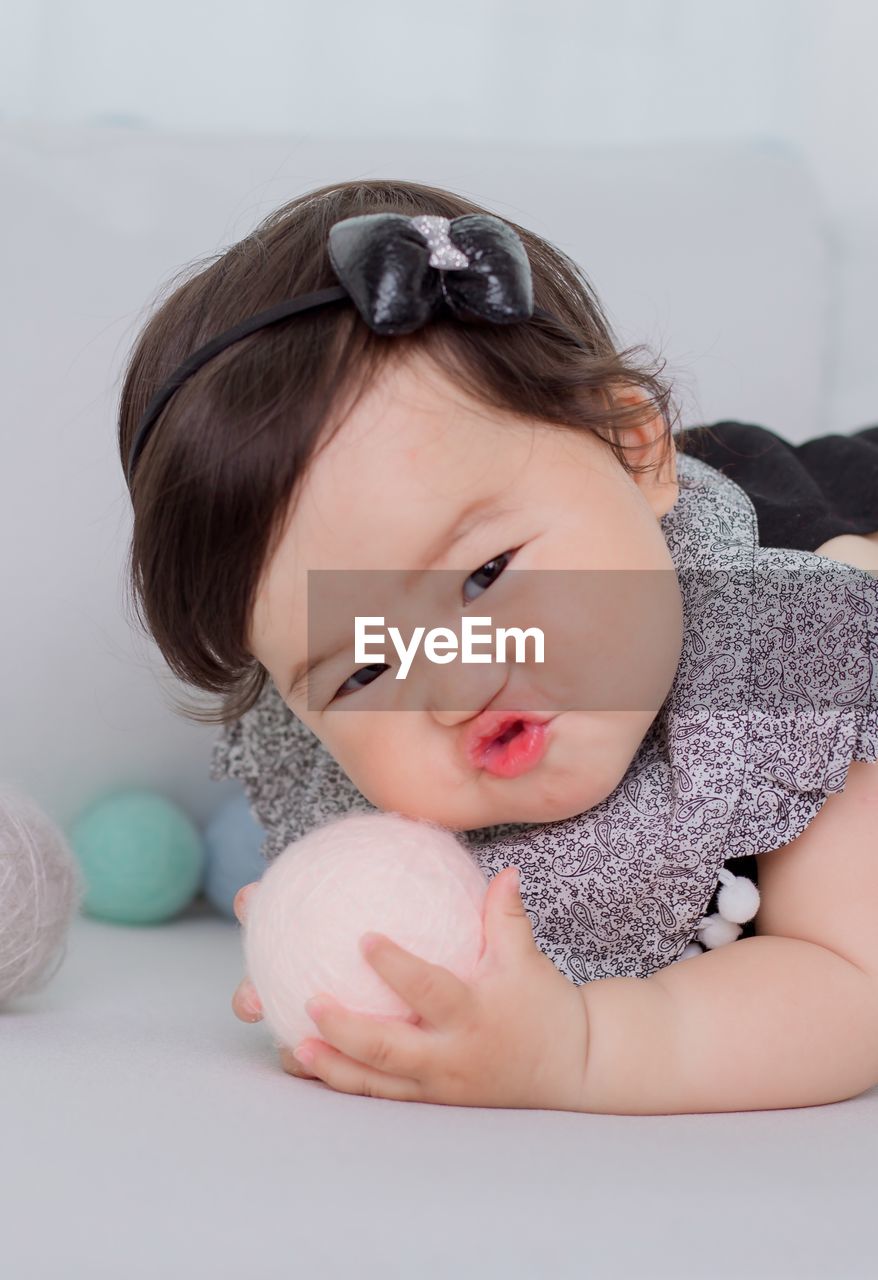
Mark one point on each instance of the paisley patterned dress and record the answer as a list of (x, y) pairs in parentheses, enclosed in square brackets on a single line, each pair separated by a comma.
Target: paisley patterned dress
[(775, 693)]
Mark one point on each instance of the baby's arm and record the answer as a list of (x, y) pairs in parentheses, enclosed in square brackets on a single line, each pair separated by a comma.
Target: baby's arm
[(857, 549), (787, 1018)]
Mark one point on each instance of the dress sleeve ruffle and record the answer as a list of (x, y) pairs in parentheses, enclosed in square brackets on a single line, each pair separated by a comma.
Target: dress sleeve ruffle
[(811, 717)]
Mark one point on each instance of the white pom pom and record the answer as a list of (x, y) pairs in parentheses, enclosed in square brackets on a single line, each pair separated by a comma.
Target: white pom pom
[(717, 932), (738, 900), (691, 949)]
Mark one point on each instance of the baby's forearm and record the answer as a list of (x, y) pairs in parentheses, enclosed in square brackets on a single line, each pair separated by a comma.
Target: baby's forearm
[(764, 1022)]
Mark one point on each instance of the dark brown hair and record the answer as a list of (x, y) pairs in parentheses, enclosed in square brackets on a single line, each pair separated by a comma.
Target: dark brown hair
[(229, 452)]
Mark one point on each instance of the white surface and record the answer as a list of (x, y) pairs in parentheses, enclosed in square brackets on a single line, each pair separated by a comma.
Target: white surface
[(714, 255), (147, 1133)]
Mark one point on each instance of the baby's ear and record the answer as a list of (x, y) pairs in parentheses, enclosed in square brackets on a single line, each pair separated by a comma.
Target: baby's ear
[(659, 485), (650, 446)]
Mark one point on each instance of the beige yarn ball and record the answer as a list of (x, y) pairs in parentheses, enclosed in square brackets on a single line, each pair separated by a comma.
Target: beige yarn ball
[(41, 889), (410, 880)]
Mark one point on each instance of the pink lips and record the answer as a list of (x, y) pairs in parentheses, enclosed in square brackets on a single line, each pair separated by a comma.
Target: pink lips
[(508, 743)]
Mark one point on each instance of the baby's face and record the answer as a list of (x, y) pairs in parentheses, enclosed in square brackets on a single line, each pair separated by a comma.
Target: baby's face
[(413, 455)]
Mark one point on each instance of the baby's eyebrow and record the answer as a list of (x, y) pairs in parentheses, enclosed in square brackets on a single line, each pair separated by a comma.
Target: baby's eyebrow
[(478, 512)]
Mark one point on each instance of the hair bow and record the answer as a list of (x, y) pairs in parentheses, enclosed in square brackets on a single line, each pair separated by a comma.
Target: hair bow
[(398, 270)]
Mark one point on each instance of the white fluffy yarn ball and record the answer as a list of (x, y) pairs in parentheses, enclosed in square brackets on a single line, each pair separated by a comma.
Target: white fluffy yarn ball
[(412, 881), (41, 889)]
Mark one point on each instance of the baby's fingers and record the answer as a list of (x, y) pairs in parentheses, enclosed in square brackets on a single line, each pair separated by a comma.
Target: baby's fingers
[(248, 1008), (292, 1065), (240, 902), (246, 1003)]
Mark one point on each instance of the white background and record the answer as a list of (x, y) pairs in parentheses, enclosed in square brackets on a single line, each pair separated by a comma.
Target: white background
[(799, 71)]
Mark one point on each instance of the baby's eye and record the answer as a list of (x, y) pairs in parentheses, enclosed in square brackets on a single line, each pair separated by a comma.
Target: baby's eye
[(376, 668), (490, 570)]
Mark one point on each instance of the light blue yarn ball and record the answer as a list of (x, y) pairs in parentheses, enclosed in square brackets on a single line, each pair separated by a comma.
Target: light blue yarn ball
[(233, 839), (141, 855)]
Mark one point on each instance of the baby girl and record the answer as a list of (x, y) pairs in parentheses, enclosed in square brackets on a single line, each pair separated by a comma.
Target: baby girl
[(445, 422)]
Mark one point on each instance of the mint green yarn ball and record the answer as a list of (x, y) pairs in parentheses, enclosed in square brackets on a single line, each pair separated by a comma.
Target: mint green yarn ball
[(141, 856)]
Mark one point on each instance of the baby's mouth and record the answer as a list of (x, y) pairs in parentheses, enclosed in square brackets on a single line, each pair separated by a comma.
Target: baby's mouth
[(508, 743)]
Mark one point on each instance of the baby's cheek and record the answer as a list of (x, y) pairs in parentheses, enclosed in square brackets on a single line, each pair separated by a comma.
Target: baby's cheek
[(417, 774), (602, 746), (388, 765)]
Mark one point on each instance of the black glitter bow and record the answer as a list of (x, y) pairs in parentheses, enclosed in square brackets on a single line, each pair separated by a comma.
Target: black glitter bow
[(399, 270)]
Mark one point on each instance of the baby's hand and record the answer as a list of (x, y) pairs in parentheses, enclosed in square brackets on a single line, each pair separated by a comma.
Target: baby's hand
[(246, 1004), (514, 1035)]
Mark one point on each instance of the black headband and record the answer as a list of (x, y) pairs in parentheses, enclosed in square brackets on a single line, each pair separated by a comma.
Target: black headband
[(398, 271)]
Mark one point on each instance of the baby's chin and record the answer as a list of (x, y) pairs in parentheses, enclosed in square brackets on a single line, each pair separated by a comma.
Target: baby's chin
[(556, 809), (533, 804)]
